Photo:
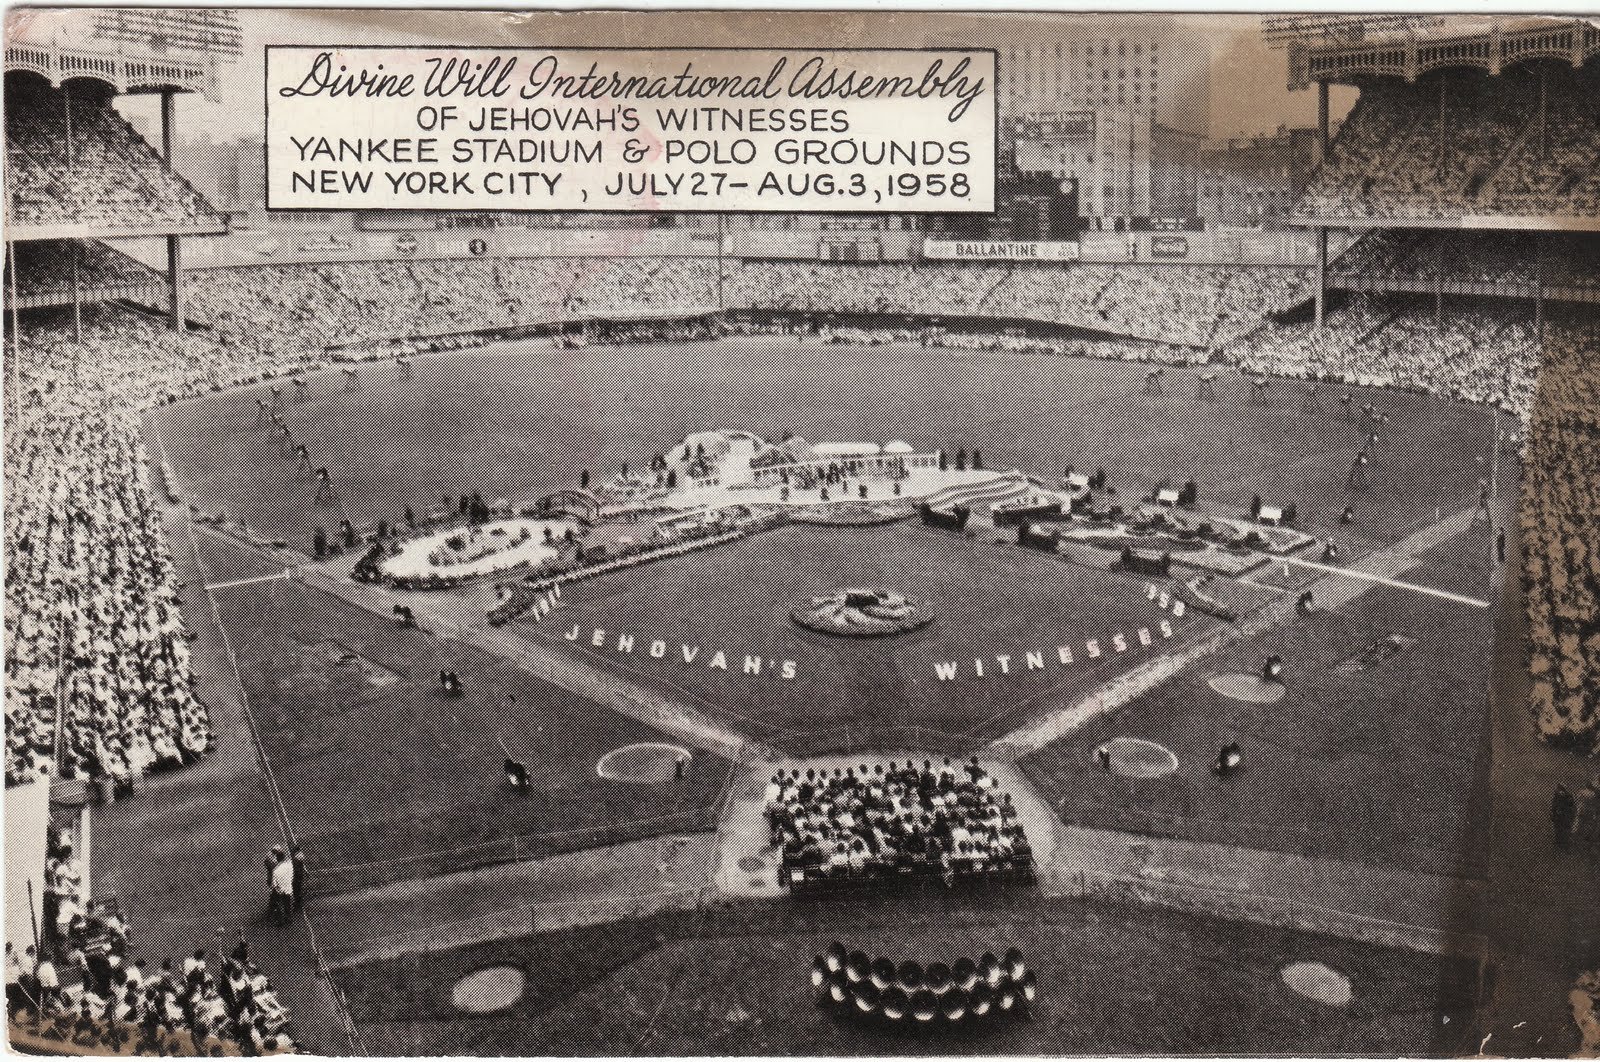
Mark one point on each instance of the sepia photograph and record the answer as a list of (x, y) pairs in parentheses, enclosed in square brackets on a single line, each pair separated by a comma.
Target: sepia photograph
[(801, 533)]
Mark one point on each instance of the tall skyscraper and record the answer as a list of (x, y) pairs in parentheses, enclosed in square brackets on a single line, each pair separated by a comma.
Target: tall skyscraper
[(1123, 109)]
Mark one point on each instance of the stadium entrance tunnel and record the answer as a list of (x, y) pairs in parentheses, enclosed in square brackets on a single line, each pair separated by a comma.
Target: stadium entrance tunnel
[(649, 762)]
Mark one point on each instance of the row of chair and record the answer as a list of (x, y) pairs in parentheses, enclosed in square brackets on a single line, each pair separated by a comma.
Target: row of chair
[(853, 984), (1017, 868)]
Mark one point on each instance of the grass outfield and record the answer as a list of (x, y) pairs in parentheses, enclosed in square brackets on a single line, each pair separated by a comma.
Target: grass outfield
[(375, 764), (985, 599), (1384, 765), (736, 981), (522, 419)]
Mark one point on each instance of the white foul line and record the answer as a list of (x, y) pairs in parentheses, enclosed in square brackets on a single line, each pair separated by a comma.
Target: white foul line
[(1386, 581), (250, 582)]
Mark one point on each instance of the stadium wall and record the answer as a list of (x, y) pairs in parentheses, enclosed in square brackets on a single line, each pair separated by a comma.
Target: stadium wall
[(295, 245)]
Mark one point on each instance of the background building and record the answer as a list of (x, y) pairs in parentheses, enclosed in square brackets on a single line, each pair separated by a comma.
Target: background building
[(1123, 112), (1255, 180)]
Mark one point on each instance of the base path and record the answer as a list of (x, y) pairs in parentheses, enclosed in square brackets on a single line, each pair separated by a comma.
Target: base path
[(1354, 900), (1338, 587), (511, 900), (450, 615)]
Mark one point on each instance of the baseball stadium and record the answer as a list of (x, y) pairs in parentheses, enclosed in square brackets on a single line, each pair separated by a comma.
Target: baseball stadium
[(651, 634)]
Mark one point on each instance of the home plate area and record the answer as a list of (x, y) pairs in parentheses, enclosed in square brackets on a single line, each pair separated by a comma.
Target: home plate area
[(834, 824)]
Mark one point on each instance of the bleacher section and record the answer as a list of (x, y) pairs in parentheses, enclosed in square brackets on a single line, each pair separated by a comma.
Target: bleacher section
[(103, 176), (45, 275), (1477, 351), (1463, 142), (1561, 264), (315, 306), (1560, 531), (1190, 305)]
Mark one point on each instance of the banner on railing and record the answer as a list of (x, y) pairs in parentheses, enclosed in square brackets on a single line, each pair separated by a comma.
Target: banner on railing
[(1001, 251)]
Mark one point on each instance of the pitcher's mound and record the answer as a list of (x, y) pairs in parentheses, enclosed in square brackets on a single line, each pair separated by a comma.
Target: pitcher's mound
[(1252, 688), (649, 761), (1138, 758), (489, 989), (1316, 981)]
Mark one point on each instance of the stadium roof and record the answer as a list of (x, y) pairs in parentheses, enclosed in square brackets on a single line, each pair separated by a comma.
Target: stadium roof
[(132, 50), (1410, 50)]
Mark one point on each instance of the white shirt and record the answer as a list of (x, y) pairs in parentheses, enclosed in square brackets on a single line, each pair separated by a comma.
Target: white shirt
[(283, 877)]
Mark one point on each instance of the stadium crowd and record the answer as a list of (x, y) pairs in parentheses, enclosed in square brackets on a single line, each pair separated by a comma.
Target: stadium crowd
[(1475, 352), (94, 635), (114, 1005), (79, 983), (1554, 259), (1190, 305), (1560, 523), (315, 306), (1458, 142), (73, 160), (887, 819), (45, 267)]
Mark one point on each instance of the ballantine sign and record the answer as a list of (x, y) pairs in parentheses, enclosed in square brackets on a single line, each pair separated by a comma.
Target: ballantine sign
[(1005, 251)]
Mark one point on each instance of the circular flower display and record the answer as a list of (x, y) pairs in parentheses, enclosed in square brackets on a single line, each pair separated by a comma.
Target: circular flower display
[(861, 614)]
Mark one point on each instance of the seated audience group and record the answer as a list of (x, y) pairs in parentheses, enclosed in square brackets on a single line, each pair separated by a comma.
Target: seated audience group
[(94, 634), (311, 307), (1192, 305), (893, 818), (1475, 352), (102, 1002), (1443, 147), (73, 160), (1560, 524)]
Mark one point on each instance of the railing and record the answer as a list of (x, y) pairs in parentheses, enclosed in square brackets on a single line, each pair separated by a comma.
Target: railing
[(517, 848), (1239, 906), (152, 292), (119, 71)]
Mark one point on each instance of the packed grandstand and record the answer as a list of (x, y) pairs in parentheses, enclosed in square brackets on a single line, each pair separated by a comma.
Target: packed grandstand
[(110, 612), (98, 678), (111, 608)]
